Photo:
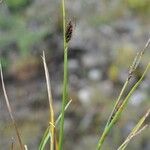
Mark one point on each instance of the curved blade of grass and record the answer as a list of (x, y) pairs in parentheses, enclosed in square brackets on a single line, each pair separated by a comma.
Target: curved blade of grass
[(59, 117), (136, 130), (133, 67), (131, 137), (119, 111), (118, 100), (10, 111), (46, 135), (126, 142), (51, 121), (45, 139)]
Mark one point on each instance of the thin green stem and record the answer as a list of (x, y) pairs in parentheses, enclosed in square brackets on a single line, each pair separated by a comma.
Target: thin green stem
[(47, 135), (65, 79), (121, 108), (117, 102), (114, 113), (136, 130)]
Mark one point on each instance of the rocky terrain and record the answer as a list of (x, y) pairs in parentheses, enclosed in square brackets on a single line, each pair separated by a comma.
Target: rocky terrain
[(106, 37)]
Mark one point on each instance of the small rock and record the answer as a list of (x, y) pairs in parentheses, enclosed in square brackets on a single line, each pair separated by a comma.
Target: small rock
[(73, 64), (95, 74), (106, 87), (90, 60), (137, 98), (85, 96)]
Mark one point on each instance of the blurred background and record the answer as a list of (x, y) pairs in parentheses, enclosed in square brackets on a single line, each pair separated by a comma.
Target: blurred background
[(107, 35)]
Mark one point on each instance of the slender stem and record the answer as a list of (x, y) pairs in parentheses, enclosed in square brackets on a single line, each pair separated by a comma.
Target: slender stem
[(61, 134), (10, 110), (133, 67), (109, 120), (118, 99), (126, 142), (136, 130), (47, 135), (118, 113), (51, 121), (65, 79)]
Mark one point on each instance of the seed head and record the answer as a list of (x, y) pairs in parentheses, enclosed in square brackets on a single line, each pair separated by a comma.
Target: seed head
[(69, 30)]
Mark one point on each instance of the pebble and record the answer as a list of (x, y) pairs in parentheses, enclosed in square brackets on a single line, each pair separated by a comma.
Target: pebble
[(90, 60), (85, 96), (94, 74), (137, 98), (73, 64)]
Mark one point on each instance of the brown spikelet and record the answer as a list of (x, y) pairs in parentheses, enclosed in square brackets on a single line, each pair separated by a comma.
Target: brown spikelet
[(69, 30)]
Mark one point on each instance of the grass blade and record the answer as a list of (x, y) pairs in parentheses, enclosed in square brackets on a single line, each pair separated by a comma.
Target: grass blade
[(119, 111), (46, 135), (59, 117), (133, 67), (117, 108), (136, 130), (65, 78), (52, 122), (131, 137), (10, 111), (118, 100), (45, 139)]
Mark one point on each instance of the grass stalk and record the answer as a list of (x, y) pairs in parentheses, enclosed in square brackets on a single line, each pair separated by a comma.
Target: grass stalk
[(65, 79), (47, 134), (52, 121), (118, 100), (116, 107), (135, 131), (133, 67), (126, 142), (119, 111), (10, 111)]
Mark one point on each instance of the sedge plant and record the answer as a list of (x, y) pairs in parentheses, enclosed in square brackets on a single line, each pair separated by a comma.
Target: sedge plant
[(120, 105), (50, 133), (67, 32)]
